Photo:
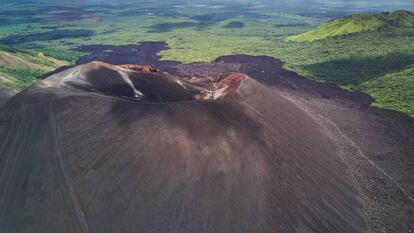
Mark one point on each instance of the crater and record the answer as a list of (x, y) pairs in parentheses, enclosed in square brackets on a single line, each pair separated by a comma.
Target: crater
[(146, 84)]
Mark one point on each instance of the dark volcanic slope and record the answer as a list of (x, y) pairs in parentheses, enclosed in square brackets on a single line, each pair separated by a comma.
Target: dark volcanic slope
[(6, 94), (158, 153), (101, 148), (377, 145)]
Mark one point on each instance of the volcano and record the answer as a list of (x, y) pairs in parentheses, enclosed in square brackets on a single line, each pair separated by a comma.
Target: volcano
[(104, 148), (235, 145)]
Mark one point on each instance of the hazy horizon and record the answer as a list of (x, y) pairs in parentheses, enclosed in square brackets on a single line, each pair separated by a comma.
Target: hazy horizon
[(330, 9)]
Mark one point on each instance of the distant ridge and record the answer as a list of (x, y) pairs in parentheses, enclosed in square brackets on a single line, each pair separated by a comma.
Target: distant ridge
[(357, 23)]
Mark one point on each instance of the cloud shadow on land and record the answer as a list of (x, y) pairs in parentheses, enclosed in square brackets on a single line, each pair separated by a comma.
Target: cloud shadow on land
[(167, 27), (45, 36)]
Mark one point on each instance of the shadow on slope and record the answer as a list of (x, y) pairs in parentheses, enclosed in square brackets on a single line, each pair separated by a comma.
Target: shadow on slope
[(353, 71)]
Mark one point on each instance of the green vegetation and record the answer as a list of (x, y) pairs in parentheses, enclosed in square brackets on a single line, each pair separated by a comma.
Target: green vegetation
[(373, 53), (393, 90), (20, 68), (23, 78), (357, 23), (377, 62)]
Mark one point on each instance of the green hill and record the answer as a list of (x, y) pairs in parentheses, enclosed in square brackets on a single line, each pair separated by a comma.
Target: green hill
[(357, 23), (394, 90), (19, 68)]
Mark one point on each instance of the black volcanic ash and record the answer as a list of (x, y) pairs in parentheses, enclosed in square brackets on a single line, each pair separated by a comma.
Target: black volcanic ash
[(208, 153)]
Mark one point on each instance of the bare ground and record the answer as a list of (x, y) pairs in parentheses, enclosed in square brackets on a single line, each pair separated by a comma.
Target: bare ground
[(286, 155)]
